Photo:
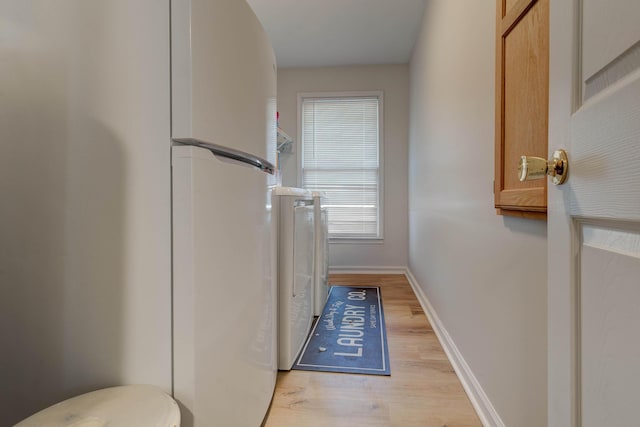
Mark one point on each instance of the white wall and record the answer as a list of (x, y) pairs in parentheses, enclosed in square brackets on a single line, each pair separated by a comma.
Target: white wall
[(393, 80), (85, 212), (484, 274)]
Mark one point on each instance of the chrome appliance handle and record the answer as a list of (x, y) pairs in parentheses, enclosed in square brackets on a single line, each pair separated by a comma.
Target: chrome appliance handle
[(230, 153)]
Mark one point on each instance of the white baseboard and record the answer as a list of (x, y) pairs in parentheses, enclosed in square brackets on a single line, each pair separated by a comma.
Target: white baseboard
[(367, 270), (481, 403)]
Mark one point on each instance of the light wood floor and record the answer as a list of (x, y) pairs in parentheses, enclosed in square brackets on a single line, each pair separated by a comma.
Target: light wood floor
[(423, 390)]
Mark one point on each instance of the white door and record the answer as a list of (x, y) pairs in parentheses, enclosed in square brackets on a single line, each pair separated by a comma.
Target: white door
[(594, 218)]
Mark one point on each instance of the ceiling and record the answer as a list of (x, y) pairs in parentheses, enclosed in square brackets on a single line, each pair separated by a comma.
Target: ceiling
[(314, 33)]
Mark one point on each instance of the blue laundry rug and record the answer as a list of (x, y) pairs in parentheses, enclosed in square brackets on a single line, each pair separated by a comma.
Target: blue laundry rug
[(349, 336)]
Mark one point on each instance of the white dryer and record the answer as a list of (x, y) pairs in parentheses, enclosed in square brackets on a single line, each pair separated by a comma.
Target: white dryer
[(295, 234)]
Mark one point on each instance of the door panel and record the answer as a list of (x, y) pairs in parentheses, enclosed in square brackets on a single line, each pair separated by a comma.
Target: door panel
[(605, 137), (608, 31), (609, 314), (525, 96)]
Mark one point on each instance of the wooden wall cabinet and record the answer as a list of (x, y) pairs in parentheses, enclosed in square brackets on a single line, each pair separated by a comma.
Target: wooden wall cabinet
[(522, 103)]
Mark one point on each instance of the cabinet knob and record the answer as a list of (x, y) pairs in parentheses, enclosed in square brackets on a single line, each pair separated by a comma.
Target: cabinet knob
[(557, 168)]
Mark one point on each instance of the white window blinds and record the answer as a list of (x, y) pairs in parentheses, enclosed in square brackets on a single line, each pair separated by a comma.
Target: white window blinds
[(340, 156)]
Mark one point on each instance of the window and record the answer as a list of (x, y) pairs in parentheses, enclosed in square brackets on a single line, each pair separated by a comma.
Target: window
[(340, 156)]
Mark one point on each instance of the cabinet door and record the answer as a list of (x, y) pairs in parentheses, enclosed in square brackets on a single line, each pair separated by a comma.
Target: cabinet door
[(522, 81)]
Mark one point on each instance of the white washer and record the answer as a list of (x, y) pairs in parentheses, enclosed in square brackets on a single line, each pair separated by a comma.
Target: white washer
[(321, 259), (295, 233)]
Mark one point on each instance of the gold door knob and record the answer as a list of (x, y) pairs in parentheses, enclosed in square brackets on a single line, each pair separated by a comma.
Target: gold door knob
[(531, 168)]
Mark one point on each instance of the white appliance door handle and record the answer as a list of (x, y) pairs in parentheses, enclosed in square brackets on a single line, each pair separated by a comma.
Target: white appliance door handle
[(230, 153)]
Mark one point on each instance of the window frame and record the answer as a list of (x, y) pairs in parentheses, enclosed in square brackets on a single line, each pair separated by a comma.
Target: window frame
[(381, 207)]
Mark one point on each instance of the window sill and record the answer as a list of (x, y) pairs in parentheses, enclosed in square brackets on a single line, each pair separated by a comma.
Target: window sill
[(356, 241)]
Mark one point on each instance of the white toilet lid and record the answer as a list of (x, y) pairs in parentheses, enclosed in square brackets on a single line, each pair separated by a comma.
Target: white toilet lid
[(125, 406)]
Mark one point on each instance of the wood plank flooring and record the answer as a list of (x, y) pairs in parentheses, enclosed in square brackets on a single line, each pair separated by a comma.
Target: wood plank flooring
[(423, 390)]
